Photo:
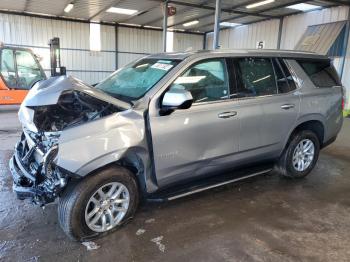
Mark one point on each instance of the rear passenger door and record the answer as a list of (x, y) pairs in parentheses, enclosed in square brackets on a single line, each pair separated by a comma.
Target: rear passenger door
[(269, 105)]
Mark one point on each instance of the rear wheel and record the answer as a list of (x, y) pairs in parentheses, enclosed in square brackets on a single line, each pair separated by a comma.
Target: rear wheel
[(98, 204), (300, 155)]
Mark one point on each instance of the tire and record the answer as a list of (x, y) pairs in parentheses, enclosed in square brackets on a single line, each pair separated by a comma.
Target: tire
[(76, 202), (285, 165)]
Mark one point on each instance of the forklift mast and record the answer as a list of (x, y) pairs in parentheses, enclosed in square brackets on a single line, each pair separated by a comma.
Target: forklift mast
[(55, 58)]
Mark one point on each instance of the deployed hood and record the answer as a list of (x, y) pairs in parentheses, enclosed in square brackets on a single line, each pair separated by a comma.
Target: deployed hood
[(63, 102), (47, 92)]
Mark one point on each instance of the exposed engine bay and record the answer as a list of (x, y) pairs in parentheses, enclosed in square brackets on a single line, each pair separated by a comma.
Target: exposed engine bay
[(73, 108), (33, 165)]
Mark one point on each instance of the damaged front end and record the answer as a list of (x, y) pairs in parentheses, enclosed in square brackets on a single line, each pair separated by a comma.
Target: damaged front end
[(34, 172), (50, 108)]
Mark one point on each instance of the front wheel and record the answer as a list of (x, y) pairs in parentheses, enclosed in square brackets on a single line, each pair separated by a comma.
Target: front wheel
[(300, 155), (98, 204)]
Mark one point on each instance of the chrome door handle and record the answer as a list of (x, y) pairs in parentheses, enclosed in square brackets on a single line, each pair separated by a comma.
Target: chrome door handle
[(227, 114), (287, 106)]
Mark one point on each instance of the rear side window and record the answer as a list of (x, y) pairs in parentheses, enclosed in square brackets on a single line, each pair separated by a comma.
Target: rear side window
[(255, 77), (321, 72), (284, 79)]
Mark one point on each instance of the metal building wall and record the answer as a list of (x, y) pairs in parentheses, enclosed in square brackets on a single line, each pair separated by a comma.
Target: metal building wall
[(187, 42), (134, 43), (91, 67), (35, 33), (246, 36), (294, 26)]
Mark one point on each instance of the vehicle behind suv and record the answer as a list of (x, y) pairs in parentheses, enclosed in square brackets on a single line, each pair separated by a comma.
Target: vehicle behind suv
[(169, 125)]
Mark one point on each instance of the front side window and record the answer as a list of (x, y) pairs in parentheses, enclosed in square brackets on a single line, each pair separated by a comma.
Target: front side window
[(207, 81), (255, 77), (133, 81), (321, 72), (8, 70), (28, 69)]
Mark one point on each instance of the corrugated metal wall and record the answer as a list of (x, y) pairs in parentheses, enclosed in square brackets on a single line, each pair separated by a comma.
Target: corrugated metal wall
[(134, 43), (247, 36), (183, 42), (89, 66), (75, 55), (294, 26)]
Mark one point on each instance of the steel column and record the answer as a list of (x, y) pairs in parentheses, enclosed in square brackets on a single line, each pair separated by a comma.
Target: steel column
[(217, 24), (345, 45), (116, 46), (280, 28), (165, 25)]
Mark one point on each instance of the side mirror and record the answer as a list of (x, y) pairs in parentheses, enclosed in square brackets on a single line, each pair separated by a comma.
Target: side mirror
[(177, 99)]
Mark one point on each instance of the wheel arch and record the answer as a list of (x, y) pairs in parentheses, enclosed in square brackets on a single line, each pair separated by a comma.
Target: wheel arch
[(135, 159), (313, 123)]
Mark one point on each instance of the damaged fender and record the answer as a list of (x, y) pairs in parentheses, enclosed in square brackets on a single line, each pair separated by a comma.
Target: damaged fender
[(85, 148)]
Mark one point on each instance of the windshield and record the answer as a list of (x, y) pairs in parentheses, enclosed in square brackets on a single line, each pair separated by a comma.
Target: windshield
[(133, 81)]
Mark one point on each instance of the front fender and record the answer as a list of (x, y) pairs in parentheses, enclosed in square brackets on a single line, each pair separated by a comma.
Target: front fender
[(90, 146)]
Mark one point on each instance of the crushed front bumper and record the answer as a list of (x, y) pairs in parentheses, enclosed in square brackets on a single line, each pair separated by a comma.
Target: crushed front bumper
[(30, 179), (23, 180)]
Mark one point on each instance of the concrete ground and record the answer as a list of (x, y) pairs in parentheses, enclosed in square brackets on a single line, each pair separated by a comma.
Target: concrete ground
[(267, 218)]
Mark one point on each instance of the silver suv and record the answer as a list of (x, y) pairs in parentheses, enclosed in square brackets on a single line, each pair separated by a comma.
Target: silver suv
[(169, 125)]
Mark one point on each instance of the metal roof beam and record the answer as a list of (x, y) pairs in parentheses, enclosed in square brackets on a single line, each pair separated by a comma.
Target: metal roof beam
[(104, 9), (226, 10), (26, 5), (338, 2), (262, 11), (203, 16)]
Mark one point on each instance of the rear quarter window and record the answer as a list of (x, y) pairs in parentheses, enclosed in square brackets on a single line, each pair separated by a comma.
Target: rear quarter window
[(321, 72)]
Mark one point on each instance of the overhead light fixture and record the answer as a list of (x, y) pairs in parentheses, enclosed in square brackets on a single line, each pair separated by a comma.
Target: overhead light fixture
[(228, 24), (304, 7), (190, 23), (152, 27), (68, 8), (260, 4), (122, 11)]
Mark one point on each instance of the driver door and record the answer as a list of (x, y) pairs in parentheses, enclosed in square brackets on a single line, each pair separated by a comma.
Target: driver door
[(193, 142)]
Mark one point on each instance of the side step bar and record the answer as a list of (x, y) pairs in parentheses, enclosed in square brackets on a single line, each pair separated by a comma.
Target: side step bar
[(197, 189)]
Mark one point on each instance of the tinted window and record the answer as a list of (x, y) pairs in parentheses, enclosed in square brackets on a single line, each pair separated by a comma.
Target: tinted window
[(8, 70), (133, 81), (284, 79), (207, 81), (288, 75), (28, 70), (255, 77), (321, 72)]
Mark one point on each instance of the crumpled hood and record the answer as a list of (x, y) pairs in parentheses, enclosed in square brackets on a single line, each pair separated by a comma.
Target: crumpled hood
[(47, 92), (60, 102)]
